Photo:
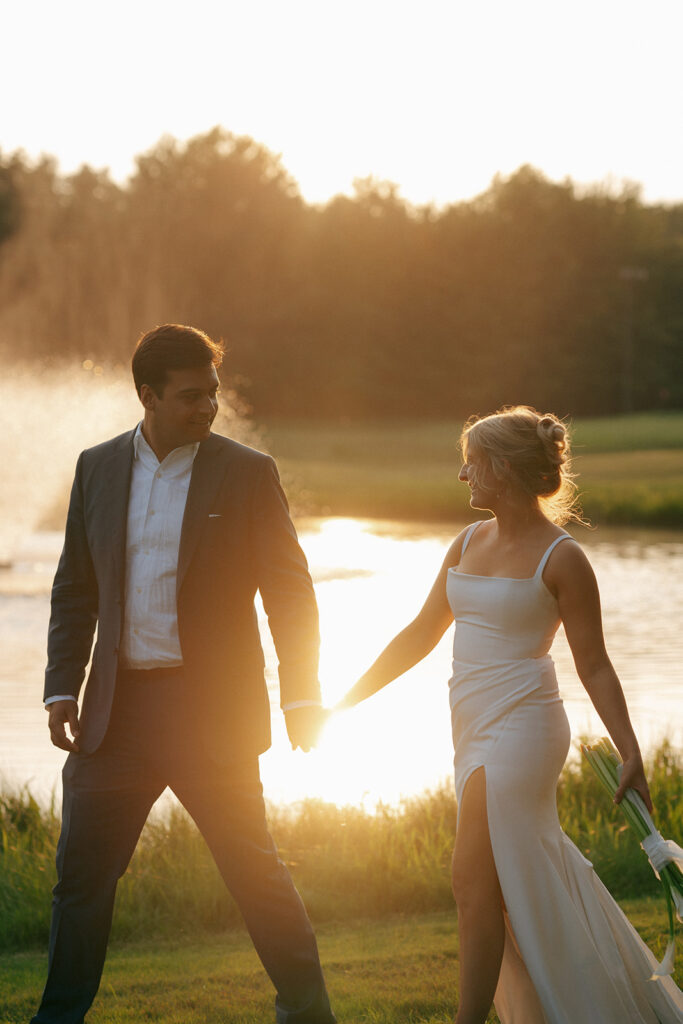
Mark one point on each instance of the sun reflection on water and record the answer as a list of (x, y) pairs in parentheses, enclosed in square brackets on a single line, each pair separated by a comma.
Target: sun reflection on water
[(371, 579)]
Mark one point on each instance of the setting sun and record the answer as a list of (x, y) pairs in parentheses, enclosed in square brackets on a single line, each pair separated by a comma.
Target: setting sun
[(436, 98)]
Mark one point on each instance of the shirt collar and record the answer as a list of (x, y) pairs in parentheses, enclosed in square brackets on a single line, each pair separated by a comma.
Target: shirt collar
[(184, 455)]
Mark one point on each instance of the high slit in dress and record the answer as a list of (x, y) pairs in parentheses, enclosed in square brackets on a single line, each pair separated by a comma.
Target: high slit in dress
[(571, 956)]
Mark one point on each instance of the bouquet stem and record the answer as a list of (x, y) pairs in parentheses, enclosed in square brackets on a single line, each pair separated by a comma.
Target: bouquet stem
[(666, 858)]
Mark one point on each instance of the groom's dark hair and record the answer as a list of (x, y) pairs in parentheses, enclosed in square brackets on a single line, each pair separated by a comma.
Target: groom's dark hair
[(172, 347)]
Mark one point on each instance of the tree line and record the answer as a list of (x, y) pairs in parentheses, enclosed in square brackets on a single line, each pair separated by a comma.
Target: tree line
[(534, 291)]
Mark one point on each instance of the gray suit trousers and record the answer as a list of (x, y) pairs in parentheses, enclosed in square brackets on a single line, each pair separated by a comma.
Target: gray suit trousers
[(107, 798)]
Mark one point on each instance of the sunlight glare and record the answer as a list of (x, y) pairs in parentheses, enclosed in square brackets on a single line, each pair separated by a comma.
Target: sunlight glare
[(371, 578), (358, 760), (436, 97)]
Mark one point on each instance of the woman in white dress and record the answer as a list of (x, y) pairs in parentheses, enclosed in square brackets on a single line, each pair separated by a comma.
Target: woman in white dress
[(539, 934)]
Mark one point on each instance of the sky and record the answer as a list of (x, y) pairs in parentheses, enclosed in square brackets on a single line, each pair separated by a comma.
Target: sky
[(436, 96)]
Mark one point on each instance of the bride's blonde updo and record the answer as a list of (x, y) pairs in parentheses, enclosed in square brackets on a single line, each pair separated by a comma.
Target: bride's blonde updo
[(528, 451)]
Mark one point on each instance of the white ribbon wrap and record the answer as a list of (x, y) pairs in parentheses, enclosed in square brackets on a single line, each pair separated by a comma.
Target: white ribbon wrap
[(661, 852)]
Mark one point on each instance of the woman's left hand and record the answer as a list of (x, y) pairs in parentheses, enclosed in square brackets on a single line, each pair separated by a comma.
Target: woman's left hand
[(633, 777)]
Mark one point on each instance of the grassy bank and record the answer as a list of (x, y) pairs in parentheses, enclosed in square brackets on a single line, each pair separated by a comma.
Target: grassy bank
[(346, 862), (399, 970), (631, 468)]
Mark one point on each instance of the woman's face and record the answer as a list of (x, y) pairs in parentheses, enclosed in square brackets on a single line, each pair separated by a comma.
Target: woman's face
[(476, 472)]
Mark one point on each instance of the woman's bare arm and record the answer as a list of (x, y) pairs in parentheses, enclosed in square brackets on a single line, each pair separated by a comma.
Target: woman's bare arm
[(414, 642), (571, 577)]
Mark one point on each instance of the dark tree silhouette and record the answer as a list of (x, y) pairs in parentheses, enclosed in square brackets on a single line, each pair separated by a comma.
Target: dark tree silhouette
[(9, 201), (534, 291)]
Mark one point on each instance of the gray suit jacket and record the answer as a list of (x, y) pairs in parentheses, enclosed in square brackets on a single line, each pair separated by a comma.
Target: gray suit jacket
[(237, 538)]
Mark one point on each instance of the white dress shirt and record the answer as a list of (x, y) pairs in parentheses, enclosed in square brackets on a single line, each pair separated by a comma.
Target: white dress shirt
[(156, 506)]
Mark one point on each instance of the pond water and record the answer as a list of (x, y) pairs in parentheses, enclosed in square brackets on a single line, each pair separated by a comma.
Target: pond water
[(370, 579)]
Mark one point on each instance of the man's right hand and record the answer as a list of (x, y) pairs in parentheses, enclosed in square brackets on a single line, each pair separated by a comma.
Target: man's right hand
[(304, 725), (61, 712)]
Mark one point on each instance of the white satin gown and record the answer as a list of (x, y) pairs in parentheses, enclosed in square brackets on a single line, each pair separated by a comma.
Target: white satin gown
[(571, 956)]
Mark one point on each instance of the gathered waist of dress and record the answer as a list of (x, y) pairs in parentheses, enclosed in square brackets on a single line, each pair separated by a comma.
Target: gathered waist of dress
[(496, 647), (466, 667), (503, 681)]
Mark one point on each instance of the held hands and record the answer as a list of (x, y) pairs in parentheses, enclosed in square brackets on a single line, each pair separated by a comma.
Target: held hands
[(304, 725), (345, 703), (633, 777), (61, 713)]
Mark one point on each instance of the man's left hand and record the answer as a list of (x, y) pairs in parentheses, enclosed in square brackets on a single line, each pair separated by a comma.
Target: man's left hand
[(304, 725)]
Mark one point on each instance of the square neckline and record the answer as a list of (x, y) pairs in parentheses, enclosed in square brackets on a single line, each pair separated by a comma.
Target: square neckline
[(507, 579)]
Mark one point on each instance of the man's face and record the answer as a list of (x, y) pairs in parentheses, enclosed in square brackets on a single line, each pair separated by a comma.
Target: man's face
[(187, 407)]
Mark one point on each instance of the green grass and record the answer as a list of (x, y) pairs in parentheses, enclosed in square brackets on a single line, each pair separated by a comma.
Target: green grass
[(642, 431), (402, 969), (633, 488), (346, 862), (376, 886), (631, 468)]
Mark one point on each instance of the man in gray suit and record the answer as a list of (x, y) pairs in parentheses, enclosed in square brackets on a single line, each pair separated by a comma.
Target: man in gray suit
[(171, 531)]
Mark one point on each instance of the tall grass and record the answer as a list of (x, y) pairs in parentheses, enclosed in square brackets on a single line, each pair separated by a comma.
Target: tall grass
[(346, 862), (601, 832)]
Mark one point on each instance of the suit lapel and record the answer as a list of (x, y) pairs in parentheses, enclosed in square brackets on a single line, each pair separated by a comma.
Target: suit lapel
[(113, 512), (207, 473)]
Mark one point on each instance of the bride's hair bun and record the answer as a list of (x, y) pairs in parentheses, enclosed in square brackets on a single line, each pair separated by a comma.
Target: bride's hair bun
[(528, 451), (554, 437)]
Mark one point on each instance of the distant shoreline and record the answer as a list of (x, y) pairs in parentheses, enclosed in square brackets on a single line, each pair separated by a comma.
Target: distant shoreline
[(630, 469)]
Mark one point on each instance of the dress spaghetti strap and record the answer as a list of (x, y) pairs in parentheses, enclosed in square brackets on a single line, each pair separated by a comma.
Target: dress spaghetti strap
[(548, 552), (470, 531)]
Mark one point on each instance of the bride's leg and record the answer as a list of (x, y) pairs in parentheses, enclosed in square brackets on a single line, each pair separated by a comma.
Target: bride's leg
[(477, 893)]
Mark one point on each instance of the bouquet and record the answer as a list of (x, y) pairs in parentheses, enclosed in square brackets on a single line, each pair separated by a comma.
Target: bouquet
[(665, 856)]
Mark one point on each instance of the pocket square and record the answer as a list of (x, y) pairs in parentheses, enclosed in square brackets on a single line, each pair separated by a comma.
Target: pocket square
[(215, 515)]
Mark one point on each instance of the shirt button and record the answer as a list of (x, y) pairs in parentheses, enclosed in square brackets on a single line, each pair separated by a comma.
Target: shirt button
[(151, 511), (138, 590)]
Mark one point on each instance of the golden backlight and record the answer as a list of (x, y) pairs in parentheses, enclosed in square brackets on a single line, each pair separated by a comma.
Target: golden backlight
[(369, 582), (371, 579)]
